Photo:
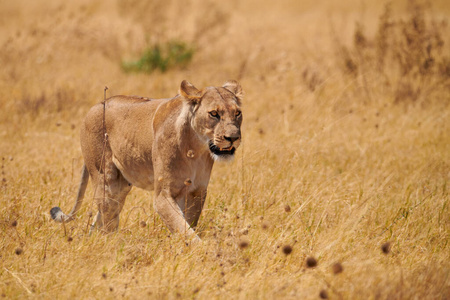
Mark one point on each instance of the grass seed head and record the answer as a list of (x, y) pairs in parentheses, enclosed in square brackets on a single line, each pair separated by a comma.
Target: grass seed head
[(311, 262), (143, 224), (323, 294), (386, 248), (69, 239), (337, 268), (243, 244), (287, 208), (287, 249)]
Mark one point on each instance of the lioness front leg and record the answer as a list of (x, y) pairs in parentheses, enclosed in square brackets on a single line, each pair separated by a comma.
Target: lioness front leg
[(172, 215)]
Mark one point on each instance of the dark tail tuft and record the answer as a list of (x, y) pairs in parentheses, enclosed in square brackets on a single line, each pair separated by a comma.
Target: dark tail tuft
[(55, 211)]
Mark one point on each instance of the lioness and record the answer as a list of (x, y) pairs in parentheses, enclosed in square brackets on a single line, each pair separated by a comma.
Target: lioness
[(166, 145)]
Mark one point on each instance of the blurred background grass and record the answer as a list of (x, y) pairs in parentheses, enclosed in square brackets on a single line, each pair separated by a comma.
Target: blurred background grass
[(346, 123)]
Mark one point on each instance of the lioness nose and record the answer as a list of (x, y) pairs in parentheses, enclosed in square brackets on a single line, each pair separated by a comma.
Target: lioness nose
[(232, 139)]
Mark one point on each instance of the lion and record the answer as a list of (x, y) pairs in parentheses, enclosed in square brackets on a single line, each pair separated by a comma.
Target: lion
[(165, 145)]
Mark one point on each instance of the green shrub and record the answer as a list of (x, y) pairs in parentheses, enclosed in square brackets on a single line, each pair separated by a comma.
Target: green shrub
[(170, 55)]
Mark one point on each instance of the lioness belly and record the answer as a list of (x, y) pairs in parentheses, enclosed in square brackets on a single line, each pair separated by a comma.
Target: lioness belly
[(130, 136), (139, 176)]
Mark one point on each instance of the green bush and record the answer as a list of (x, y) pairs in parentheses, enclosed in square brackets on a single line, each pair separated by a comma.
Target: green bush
[(170, 55)]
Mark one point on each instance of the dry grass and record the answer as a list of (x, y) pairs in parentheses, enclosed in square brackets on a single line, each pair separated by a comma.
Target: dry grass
[(340, 189)]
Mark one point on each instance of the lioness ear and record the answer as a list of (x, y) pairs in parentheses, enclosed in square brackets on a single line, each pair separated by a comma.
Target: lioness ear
[(190, 92), (234, 87)]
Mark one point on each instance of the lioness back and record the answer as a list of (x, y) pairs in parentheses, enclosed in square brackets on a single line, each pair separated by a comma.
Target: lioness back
[(128, 125)]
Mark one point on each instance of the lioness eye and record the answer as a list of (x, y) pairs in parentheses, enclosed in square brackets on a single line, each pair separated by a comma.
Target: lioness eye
[(214, 114), (238, 113)]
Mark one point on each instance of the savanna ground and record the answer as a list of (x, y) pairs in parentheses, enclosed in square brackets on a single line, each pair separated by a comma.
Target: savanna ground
[(345, 157)]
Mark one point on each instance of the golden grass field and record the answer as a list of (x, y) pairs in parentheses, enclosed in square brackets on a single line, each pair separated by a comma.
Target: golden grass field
[(345, 156)]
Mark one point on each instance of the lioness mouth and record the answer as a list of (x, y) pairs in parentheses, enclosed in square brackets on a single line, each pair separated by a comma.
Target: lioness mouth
[(221, 151)]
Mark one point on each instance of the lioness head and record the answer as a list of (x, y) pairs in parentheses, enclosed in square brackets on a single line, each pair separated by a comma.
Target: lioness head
[(217, 116)]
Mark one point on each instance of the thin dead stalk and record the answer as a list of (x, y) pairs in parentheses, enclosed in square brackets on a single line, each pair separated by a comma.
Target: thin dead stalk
[(89, 221), (19, 280), (64, 226), (136, 207), (45, 248), (105, 140)]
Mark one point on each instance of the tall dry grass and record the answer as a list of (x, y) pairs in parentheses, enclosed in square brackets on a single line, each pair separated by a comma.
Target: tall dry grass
[(339, 190)]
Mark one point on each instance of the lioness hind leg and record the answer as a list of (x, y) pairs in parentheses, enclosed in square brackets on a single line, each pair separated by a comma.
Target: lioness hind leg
[(110, 193)]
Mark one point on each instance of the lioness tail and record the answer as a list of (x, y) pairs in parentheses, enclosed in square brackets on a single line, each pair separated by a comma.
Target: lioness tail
[(58, 215)]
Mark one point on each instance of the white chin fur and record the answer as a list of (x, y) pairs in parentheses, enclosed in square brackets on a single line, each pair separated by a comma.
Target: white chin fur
[(222, 158)]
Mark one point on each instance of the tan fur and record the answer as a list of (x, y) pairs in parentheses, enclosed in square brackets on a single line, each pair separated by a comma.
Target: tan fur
[(161, 145)]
